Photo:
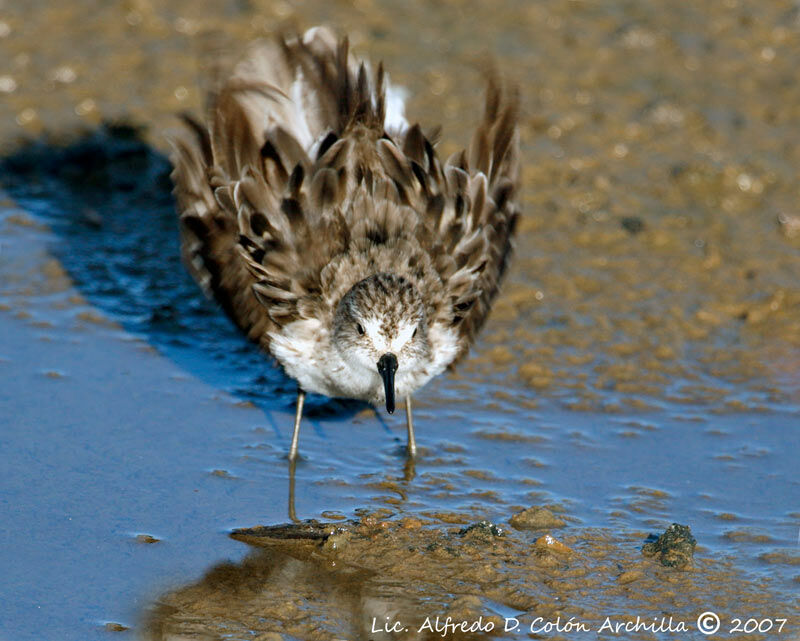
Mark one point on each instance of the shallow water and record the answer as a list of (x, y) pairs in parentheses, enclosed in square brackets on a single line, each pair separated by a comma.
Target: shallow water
[(640, 368)]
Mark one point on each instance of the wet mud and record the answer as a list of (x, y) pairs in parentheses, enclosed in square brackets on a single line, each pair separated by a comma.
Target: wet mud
[(402, 579), (641, 366)]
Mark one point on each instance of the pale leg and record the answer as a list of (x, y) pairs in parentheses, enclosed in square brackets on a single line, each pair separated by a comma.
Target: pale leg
[(412, 443), (301, 399)]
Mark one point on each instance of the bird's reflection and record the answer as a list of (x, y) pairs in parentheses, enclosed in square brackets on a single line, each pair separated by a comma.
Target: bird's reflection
[(381, 576), (292, 511), (290, 584), (409, 471)]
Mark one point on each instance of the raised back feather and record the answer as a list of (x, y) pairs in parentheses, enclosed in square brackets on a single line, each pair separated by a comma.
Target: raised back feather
[(296, 191)]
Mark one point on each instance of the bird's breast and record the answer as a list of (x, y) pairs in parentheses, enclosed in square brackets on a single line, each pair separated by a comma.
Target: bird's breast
[(304, 350)]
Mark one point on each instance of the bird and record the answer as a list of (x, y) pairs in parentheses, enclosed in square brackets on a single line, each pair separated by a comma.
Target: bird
[(328, 228)]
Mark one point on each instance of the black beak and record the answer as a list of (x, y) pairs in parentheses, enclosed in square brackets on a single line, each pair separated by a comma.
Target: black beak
[(387, 366)]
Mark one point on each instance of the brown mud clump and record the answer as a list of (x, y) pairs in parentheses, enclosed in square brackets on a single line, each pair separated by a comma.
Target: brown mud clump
[(536, 518), (146, 539), (674, 548)]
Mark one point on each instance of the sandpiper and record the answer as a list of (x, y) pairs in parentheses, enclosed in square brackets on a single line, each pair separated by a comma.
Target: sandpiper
[(328, 228)]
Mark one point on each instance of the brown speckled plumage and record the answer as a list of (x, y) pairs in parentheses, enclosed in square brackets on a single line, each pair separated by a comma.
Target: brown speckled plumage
[(297, 191)]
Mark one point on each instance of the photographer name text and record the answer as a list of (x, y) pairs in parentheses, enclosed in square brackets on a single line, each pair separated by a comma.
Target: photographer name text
[(707, 623)]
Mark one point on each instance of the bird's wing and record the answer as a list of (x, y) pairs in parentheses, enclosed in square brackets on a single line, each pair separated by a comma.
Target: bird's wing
[(470, 207), (476, 224), (209, 234)]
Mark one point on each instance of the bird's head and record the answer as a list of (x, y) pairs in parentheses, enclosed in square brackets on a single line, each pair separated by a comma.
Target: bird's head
[(380, 331)]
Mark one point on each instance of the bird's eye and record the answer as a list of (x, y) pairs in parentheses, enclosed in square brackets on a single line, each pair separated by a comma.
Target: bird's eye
[(359, 329), (415, 332)]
